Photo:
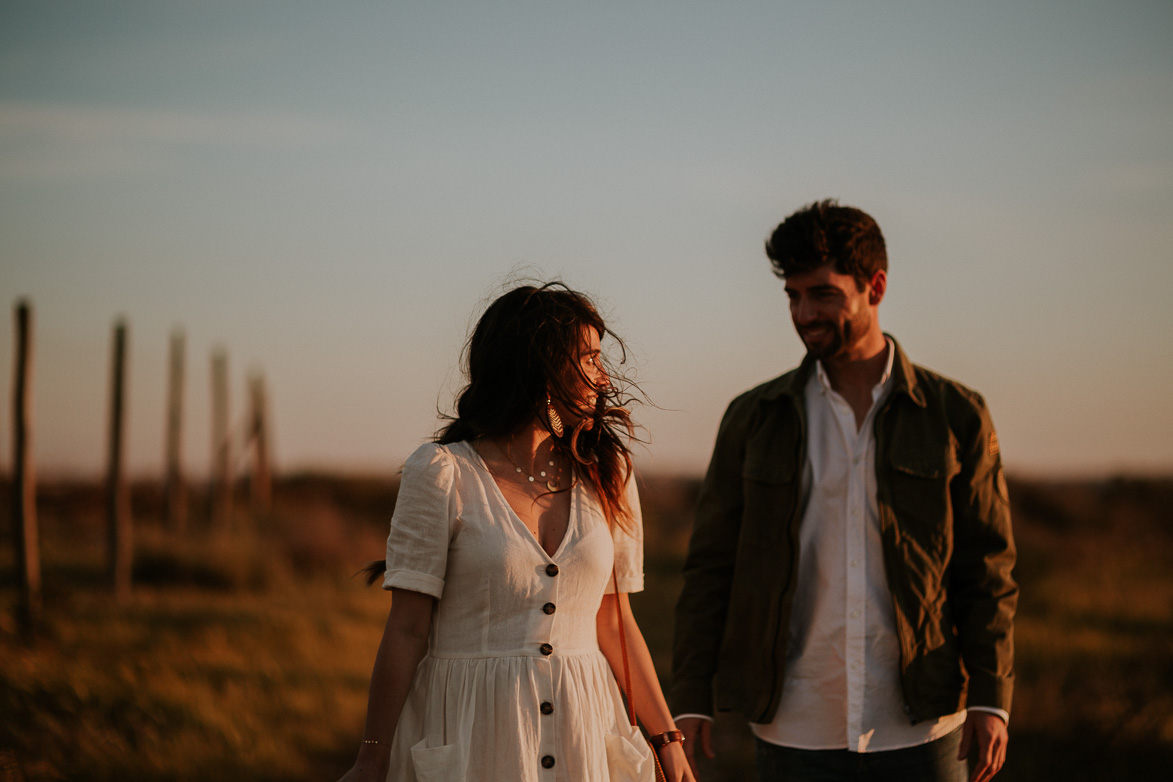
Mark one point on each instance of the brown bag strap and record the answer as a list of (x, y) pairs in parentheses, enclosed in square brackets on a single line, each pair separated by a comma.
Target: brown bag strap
[(660, 777), (623, 647)]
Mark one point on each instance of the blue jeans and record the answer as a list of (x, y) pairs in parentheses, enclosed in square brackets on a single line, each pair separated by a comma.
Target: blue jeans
[(933, 762)]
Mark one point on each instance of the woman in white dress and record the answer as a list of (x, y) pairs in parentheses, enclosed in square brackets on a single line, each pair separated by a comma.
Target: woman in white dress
[(502, 650)]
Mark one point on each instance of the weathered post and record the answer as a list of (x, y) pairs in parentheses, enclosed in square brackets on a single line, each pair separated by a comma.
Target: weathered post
[(117, 499), (261, 483), (175, 489), (24, 490), (221, 445)]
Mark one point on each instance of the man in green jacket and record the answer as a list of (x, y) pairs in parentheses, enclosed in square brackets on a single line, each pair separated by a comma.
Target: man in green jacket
[(848, 584)]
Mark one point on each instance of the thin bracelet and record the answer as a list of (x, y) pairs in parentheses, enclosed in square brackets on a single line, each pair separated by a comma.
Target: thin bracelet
[(370, 741), (661, 740)]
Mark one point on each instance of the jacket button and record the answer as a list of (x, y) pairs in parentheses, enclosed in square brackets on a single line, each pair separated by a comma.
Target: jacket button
[(548, 761), (546, 708), (551, 570), (546, 649), (549, 608)]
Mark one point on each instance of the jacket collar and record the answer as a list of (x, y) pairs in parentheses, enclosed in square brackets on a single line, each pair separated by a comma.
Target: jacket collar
[(903, 378)]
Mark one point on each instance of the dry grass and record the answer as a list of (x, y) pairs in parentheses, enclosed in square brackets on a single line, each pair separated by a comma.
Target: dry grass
[(241, 656), (246, 656), (190, 685), (1095, 631)]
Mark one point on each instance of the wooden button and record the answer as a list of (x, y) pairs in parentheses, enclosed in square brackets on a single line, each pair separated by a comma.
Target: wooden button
[(546, 649), (549, 608), (551, 570), (548, 761)]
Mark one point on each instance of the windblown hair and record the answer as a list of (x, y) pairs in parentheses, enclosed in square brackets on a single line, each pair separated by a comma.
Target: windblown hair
[(528, 344), (824, 233), (525, 346)]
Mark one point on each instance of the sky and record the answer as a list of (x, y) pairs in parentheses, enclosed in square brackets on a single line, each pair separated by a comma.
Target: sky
[(331, 193)]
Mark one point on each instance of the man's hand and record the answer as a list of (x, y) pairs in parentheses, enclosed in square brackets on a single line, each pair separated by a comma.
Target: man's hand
[(983, 739), (696, 731)]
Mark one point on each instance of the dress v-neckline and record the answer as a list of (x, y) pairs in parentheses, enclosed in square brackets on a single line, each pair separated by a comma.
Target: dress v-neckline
[(483, 466)]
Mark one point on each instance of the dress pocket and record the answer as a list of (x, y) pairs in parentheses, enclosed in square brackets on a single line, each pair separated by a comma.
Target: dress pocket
[(438, 764), (629, 758)]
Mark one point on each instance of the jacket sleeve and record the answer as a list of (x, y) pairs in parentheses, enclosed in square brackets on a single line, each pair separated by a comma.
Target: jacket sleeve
[(983, 594), (702, 608)]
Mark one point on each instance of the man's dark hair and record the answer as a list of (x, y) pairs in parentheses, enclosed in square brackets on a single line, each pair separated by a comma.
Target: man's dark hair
[(823, 233)]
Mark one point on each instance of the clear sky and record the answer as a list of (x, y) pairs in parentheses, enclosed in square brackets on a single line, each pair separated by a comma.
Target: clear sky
[(331, 191)]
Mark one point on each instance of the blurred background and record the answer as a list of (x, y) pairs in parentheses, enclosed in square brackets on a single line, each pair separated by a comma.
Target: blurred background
[(325, 197)]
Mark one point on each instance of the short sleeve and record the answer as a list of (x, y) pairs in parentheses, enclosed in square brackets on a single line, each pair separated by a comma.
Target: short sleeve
[(423, 521), (629, 546)]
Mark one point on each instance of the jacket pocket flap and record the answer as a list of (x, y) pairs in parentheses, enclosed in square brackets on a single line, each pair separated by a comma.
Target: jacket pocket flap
[(918, 466)]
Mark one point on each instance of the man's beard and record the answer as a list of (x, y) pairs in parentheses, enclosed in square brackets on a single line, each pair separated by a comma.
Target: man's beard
[(830, 344), (837, 339)]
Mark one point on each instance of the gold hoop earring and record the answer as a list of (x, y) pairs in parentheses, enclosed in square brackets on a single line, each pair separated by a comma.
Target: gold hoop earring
[(555, 419)]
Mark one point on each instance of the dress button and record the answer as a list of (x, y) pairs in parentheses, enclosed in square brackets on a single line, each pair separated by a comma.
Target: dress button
[(546, 649), (546, 708), (549, 608), (551, 570), (547, 761)]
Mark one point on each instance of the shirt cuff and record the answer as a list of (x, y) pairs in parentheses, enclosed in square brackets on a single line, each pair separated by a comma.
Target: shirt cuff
[(704, 717), (1005, 715)]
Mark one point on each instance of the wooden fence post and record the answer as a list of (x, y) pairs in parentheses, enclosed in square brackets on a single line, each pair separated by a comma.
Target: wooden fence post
[(261, 482), (221, 445), (117, 499), (24, 490), (175, 489)]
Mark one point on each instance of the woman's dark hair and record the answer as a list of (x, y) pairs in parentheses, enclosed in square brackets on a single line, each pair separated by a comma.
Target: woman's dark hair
[(528, 345), (826, 233)]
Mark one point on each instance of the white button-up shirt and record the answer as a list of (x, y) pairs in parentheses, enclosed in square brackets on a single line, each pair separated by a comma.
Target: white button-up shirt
[(842, 687)]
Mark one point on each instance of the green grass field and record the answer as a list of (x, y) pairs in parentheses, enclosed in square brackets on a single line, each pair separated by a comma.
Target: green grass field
[(246, 657)]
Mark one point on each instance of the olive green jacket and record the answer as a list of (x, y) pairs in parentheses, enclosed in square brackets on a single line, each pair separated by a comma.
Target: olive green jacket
[(945, 526)]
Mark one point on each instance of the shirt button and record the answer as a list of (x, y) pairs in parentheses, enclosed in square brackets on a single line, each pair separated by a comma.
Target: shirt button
[(547, 761), (855, 563), (549, 608), (546, 649), (855, 614), (546, 708), (551, 570)]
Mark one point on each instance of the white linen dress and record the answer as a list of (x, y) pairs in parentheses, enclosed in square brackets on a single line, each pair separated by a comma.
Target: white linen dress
[(513, 687)]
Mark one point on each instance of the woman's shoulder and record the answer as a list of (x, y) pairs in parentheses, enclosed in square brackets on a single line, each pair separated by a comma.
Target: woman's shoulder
[(440, 459)]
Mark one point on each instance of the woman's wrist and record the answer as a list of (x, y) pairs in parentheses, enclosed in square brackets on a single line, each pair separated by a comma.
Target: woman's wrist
[(374, 751), (661, 740)]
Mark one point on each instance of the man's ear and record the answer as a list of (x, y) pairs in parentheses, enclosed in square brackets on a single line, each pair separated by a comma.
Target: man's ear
[(879, 284)]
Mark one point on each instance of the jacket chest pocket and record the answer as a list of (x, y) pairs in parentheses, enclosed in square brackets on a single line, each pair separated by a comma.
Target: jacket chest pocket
[(771, 454), (918, 488), (770, 489)]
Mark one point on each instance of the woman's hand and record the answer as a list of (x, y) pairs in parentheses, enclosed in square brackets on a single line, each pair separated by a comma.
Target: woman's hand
[(365, 772), (674, 763)]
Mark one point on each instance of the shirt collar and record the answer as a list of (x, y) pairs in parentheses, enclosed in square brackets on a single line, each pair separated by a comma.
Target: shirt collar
[(878, 388)]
